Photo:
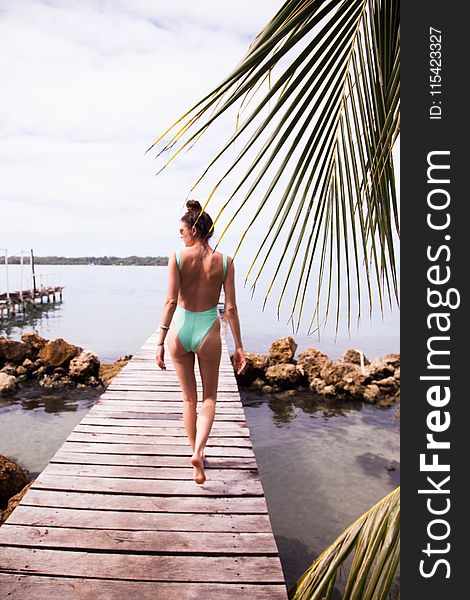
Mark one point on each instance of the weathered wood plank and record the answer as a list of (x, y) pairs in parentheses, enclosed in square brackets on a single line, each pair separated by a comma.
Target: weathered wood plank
[(147, 567), (133, 472), (92, 419), (153, 406), (122, 540), (19, 587), (143, 503), (212, 487), (138, 521), (144, 460), (130, 438), (131, 414), (241, 432), (152, 449)]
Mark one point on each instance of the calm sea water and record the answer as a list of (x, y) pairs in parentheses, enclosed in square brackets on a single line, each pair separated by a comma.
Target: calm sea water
[(113, 310), (321, 466)]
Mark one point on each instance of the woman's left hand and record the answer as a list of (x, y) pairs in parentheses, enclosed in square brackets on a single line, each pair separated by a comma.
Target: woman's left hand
[(160, 357)]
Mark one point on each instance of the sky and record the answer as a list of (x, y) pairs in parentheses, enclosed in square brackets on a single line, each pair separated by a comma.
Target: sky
[(87, 86)]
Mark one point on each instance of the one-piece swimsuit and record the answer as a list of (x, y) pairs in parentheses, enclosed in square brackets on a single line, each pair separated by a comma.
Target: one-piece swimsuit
[(193, 326)]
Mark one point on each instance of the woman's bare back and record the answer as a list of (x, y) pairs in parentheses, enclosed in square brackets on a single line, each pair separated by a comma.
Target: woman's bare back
[(202, 276)]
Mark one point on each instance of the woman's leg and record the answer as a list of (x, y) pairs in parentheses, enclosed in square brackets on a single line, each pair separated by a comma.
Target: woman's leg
[(184, 367), (208, 354)]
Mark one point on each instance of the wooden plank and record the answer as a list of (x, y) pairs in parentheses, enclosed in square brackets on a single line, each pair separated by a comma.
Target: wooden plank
[(149, 406), (145, 460), (138, 521), (212, 487), (92, 419), (146, 567), (182, 473), (241, 432), (130, 438), (130, 414), (143, 503), (152, 449), (122, 540), (19, 587)]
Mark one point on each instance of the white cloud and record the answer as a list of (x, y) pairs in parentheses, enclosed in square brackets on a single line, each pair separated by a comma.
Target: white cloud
[(86, 87)]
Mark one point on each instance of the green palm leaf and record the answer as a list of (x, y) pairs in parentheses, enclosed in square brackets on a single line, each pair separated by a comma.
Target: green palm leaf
[(315, 153), (375, 537)]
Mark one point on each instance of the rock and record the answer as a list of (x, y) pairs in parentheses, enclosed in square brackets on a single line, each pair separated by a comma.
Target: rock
[(388, 386), (13, 351), (345, 377), (33, 340), (267, 389), (282, 351), (371, 393), (354, 356), (283, 375), (312, 361), (85, 365), (9, 369), (13, 502), (381, 368), (58, 353), (94, 381), (12, 479), (38, 373), (258, 384), (21, 370), (317, 385), (7, 383), (55, 381), (28, 364), (255, 367)]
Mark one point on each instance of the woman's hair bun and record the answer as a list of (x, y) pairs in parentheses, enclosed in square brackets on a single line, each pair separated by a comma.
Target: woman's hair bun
[(193, 205)]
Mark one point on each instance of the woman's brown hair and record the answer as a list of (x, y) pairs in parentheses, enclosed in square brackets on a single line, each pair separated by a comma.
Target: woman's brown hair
[(194, 218)]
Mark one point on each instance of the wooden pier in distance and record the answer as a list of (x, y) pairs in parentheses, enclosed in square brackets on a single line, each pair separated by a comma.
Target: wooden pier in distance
[(13, 302), (116, 513)]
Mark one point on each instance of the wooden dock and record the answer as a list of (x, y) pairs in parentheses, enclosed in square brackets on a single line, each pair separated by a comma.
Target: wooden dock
[(116, 513), (13, 302)]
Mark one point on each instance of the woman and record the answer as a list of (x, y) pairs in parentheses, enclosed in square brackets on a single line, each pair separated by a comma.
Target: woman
[(196, 276)]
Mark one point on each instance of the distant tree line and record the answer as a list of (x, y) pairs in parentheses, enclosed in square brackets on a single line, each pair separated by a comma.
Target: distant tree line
[(93, 260)]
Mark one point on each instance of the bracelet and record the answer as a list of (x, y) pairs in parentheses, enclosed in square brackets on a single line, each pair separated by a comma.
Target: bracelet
[(163, 327), (161, 344)]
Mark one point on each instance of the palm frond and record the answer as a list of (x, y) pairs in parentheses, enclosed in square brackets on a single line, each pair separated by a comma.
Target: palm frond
[(316, 153), (375, 537)]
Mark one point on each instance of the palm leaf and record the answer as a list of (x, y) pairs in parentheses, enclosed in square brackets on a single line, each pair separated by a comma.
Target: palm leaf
[(375, 537), (315, 153)]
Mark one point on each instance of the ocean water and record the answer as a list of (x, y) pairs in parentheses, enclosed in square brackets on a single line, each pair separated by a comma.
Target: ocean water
[(321, 465), (113, 310)]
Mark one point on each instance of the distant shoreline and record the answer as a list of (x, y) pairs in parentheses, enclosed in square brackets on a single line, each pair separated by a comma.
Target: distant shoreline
[(151, 261)]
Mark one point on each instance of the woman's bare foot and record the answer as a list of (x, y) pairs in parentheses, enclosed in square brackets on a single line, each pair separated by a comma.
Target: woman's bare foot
[(198, 464)]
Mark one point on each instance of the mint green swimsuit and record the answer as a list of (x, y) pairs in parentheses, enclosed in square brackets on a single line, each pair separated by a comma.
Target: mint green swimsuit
[(193, 326)]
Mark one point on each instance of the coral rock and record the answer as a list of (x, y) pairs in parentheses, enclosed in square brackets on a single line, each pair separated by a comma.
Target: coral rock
[(312, 362), (283, 375), (85, 365), (12, 479), (282, 351), (7, 383), (58, 353)]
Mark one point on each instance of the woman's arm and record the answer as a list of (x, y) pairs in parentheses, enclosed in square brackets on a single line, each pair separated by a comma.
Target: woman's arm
[(231, 314), (169, 307)]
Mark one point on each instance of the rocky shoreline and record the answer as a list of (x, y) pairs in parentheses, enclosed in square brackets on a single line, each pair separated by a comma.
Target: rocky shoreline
[(52, 363), (352, 377)]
